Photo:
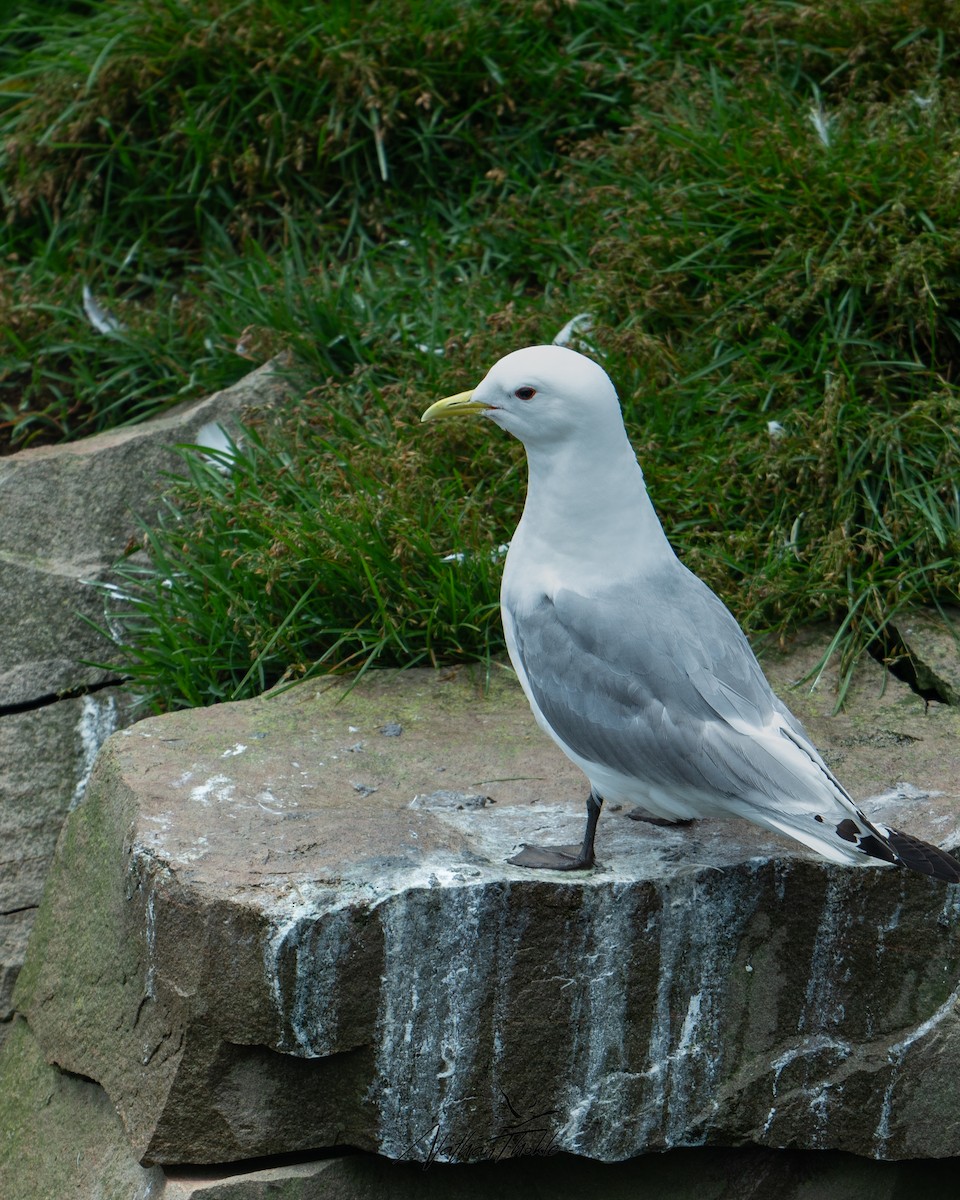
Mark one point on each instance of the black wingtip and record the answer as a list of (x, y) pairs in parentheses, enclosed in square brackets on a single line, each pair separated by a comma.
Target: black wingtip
[(920, 856)]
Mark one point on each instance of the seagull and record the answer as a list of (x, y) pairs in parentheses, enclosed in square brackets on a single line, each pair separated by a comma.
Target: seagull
[(633, 666)]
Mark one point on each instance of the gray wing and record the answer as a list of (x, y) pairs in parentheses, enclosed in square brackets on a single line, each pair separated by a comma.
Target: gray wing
[(657, 681)]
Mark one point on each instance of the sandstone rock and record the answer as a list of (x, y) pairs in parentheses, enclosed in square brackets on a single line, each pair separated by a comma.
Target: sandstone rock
[(62, 1137), (46, 755), (39, 788), (15, 930), (682, 1175), (931, 640), (66, 514), (258, 944)]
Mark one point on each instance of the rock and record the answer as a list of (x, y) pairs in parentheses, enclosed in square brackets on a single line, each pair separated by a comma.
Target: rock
[(45, 758), (66, 516), (930, 640), (678, 1176), (253, 958), (14, 935), (69, 511), (62, 1137)]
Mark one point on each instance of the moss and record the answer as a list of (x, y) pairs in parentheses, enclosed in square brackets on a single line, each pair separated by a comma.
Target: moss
[(61, 1135)]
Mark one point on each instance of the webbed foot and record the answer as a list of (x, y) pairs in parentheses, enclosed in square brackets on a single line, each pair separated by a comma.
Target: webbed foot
[(564, 858), (641, 814), (553, 858)]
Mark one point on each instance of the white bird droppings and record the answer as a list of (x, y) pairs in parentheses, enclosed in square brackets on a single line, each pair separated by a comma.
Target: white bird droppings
[(217, 787)]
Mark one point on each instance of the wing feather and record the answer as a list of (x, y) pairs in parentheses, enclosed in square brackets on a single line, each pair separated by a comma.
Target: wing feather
[(658, 682)]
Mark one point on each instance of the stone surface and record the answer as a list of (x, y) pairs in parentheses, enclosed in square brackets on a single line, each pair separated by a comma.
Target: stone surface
[(66, 515), (45, 758), (60, 1137), (39, 788), (15, 930), (749, 1174), (272, 928), (931, 639)]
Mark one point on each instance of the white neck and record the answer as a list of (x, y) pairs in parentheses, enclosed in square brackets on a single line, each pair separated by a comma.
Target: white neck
[(587, 514)]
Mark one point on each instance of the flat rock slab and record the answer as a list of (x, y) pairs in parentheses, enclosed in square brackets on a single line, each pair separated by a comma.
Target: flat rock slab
[(288, 925)]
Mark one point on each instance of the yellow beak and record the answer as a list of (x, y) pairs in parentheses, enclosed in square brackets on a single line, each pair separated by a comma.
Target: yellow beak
[(454, 406)]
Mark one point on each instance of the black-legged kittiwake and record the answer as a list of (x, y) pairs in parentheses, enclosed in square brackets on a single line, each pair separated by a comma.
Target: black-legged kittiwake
[(630, 662)]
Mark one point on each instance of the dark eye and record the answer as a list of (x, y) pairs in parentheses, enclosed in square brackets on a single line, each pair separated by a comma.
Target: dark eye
[(525, 393)]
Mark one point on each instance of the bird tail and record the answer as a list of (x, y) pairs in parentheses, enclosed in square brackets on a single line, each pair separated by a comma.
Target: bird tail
[(916, 855), (899, 849), (852, 841)]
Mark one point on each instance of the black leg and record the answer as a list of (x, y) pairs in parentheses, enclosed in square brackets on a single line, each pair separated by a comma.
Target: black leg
[(565, 858)]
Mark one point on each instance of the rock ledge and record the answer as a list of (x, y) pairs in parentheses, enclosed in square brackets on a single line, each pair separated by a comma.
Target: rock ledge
[(288, 925)]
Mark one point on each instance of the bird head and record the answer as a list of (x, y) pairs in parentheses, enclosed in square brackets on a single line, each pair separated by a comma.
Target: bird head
[(541, 394)]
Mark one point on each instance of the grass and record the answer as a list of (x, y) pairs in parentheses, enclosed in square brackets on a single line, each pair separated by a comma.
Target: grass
[(147, 146), (348, 577), (758, 205)]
